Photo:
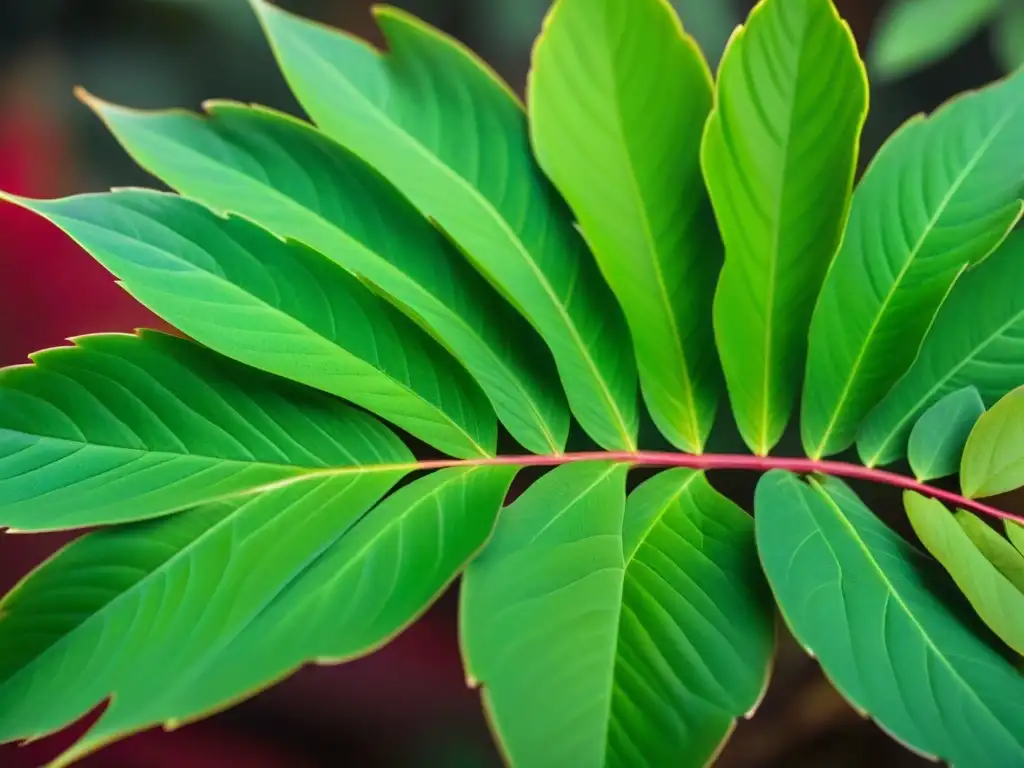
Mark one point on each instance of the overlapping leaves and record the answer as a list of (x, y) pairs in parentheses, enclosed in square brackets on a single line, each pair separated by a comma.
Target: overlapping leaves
[(410, 254)]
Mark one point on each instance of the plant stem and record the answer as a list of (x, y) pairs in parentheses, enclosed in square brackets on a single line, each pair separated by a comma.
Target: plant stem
[(736, 461)]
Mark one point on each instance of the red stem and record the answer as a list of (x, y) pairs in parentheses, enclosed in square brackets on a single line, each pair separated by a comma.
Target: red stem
[(737, 461)]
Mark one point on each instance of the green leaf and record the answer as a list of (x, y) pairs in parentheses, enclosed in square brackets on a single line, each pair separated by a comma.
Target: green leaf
[(940, 196), (121, 428), (453, 138), (604, 639), (993, 460), (280, 307), (779, 155), (997, 550), (977, 340), (938, 439), (885, 624), (1016, 533), (289, 178), (994, 598), (337, 586), (618, 99), (915, 33), (1008, 36)]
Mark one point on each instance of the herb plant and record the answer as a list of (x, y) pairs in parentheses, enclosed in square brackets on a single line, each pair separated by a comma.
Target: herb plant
[(396, 312)]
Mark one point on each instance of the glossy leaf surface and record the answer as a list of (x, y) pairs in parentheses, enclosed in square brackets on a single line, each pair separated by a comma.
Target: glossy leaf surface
[(293, 180), (995, 599), (122, 428), (618, 96), (938, 439), (896, 638), (134, 611), (779, 154), (453, 138), (280, 307), (604, 640), (977, 340), (994, 457), (941, 195)]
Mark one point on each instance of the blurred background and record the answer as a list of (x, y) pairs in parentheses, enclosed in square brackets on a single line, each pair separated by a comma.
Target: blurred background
[(406, 705)]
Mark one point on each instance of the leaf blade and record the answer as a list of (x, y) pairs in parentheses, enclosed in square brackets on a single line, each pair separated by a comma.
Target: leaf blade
[(82, 662), (121, 428), (293, 180), (279, 307), (894, 635), (480, 184), (993, 460), (659, 680), (938, 438), (900, 257), (617, 97), (994, 598), (779, 154), (974, 341)]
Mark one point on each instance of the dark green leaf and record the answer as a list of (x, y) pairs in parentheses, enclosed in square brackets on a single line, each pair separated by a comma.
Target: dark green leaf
[(938, 439), (122, 428), (453, 138), (288, 177), (618, 99), (977, 340), (885, 624), (941, 195), (779, 154), (280, 307), (995, 599)]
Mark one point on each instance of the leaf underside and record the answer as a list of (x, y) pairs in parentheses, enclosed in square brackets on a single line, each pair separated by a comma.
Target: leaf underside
[(895, 639), (937, 441)]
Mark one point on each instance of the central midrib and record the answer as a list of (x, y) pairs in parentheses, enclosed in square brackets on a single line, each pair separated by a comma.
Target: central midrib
[(911, 258), (432, 159)]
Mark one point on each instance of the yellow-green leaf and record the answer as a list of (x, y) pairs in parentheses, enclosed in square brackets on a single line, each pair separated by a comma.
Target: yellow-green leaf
[(618, 97)]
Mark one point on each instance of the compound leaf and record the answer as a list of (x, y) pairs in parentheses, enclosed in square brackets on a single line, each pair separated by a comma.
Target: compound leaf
[(601, 639), (938, 439), (121, 428), (994, 598), (618, 96), (293, 180), (993, 460), (940, 196), (977, 340), (779, 155), (280, 307), (453, 138), (887, 626)]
